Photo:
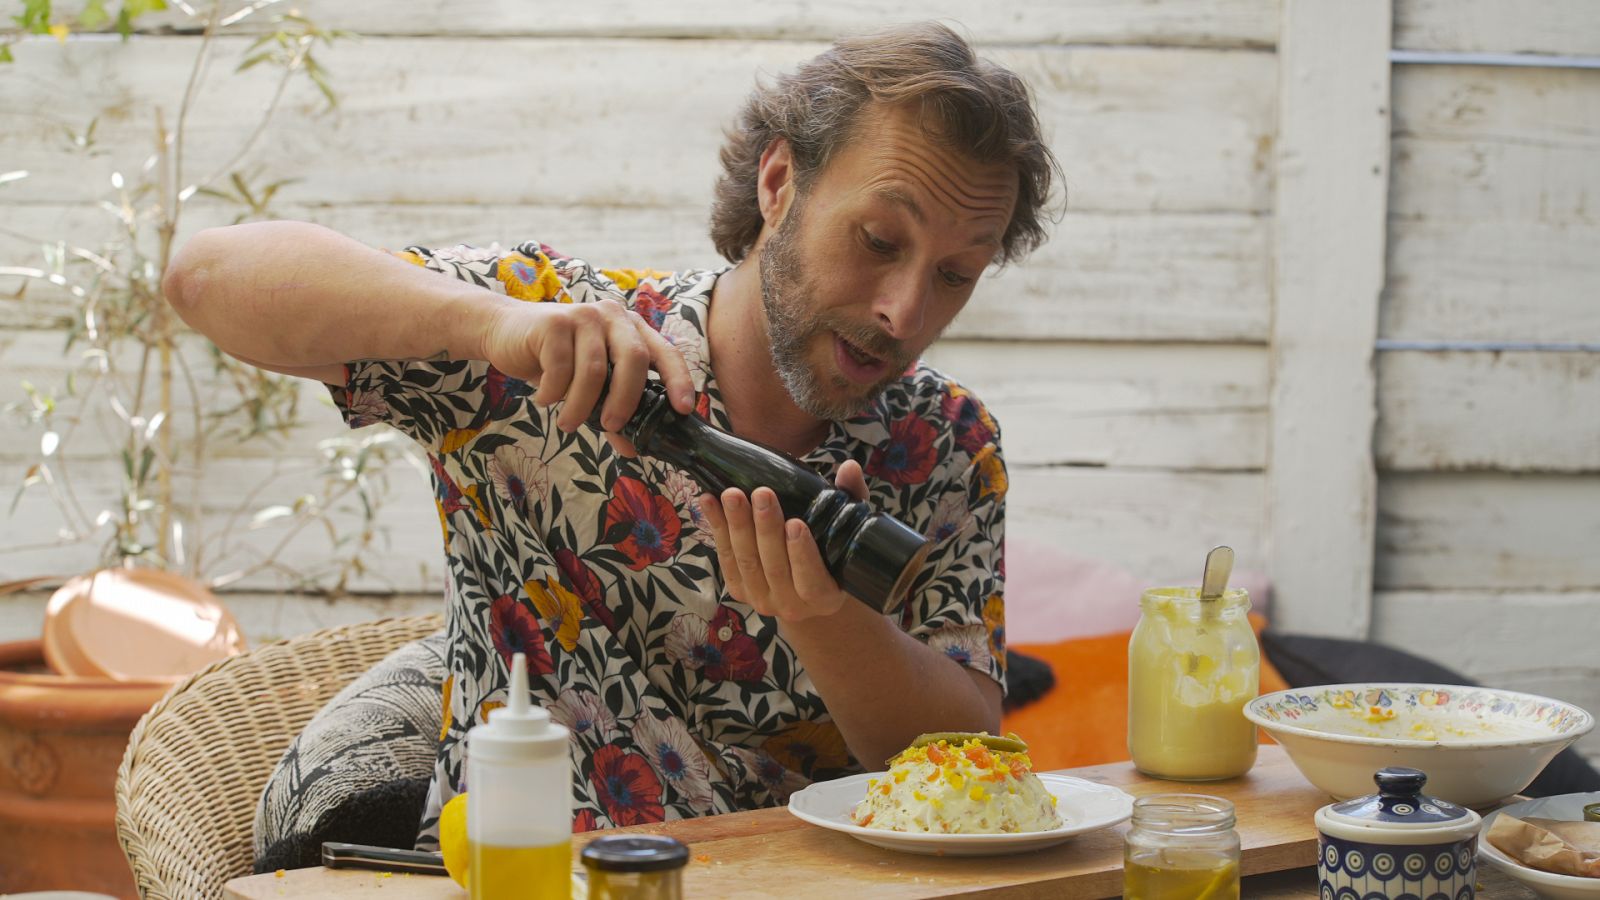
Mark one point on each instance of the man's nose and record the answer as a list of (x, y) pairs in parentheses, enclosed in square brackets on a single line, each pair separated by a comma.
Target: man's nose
[(902, 304)]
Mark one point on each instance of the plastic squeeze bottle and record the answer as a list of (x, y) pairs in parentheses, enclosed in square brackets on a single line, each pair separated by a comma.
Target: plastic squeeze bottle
[(519, 807)]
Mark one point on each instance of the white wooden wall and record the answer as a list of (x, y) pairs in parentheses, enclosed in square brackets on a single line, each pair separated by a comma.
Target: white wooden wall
[(1193, 359)]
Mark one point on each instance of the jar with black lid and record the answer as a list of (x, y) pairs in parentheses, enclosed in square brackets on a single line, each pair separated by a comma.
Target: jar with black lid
[(635, 867)]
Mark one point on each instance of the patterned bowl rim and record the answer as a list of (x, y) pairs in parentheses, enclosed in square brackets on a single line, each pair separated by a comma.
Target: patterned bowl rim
[(1585, 721)]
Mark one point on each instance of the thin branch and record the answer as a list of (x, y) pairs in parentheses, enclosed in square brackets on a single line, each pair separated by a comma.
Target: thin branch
[(171, 222), (261, 126)]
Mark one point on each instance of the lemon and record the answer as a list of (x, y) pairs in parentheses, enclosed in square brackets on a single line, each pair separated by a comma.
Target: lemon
[(453, 838)]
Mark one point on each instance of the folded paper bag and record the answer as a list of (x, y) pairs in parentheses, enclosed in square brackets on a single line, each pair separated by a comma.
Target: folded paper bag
[(1550, 845)]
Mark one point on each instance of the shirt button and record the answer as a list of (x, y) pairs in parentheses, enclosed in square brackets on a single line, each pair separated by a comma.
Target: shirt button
[(725, 633)]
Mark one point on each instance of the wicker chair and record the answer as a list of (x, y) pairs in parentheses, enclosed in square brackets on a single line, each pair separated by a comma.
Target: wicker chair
[(198, 760)]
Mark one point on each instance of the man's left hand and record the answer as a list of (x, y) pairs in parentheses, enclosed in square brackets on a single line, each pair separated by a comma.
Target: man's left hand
[(772, 564)]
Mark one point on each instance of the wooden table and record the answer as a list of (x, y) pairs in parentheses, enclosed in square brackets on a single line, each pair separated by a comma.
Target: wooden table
[(770, 853)]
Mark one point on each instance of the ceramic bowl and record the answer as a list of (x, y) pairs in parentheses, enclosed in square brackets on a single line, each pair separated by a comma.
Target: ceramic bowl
[(1545, 884), (1477, 745)]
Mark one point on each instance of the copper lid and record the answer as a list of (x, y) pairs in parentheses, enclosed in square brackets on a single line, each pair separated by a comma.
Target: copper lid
[(135, 625)]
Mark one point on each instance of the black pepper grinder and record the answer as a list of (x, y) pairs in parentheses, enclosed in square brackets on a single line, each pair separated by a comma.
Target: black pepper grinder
[(873, 556)]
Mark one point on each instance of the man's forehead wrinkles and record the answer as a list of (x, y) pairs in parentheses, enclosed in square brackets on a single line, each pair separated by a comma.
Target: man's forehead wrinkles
[(950, 192), (894, 194)]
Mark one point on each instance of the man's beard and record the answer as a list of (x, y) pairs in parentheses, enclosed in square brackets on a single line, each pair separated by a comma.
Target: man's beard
[(793, 324)]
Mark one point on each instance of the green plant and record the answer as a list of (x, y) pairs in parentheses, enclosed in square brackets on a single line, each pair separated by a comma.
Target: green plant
[(167, 398)]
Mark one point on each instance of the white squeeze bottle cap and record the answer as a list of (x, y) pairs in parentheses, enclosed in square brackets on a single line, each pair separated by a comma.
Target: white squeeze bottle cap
[(518, 731)]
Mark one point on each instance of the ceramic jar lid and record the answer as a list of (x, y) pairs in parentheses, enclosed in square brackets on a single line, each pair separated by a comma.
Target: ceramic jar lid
[(1399, 813)]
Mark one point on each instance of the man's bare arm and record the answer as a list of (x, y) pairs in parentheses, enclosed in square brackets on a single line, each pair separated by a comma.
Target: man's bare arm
[(300, 299), (296, 297)]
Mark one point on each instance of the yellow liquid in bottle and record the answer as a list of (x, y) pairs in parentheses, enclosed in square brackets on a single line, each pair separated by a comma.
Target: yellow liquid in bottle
[(1171, 876), (520, 873)]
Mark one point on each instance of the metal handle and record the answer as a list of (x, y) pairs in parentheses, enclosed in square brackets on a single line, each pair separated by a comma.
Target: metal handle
[(386, 859)]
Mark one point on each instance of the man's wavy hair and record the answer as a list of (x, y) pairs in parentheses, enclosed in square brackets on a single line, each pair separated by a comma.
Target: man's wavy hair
[(970, 105)]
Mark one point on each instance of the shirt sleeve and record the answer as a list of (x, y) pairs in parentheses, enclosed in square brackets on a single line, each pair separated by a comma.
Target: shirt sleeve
[(957, 606), (432, 401)]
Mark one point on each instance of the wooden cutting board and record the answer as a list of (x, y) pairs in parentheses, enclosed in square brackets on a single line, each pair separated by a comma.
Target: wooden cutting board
[(769, 853)]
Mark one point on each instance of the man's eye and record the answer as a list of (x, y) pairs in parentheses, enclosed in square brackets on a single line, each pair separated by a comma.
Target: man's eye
[(878, 244), (954, 279)]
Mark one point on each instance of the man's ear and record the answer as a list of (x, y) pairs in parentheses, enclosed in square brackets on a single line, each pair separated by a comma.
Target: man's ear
[(775, 182)]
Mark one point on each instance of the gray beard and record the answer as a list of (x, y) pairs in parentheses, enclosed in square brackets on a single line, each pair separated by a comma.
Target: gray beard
[(790, 331)]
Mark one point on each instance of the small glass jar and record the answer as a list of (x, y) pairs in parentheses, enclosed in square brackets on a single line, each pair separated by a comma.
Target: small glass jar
[(1181, 847), (1192, 666), (640, 867)]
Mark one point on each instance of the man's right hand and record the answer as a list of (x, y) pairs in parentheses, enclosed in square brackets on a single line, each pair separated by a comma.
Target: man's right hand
[(567, 350)]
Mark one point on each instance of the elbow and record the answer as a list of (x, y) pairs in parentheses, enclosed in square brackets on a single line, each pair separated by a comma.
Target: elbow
[(184, 282)]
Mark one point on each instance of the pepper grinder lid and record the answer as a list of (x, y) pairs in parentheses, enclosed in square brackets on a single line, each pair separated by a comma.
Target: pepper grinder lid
[(1399, 808), (885, 559)]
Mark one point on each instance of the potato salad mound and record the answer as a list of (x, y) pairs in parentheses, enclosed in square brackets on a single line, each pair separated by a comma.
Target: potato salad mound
[(959, 784)]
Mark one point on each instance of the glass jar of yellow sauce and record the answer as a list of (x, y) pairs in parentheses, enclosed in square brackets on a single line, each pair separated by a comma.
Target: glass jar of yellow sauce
[(1192, 666), (635, 867), (1181, 847)]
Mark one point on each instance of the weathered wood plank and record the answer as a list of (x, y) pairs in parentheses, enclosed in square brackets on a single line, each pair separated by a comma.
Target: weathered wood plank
[(407, 558), (1123, 405), (1495, 26), (1537, 642), (1153, 523), (1156, 525), (1496, 176), (1205, 23), (1492, 280), (1333, 152), (1535, 412), (1126, 405), (1168, 277), (1488, 531), (602, 122), (262, 617)]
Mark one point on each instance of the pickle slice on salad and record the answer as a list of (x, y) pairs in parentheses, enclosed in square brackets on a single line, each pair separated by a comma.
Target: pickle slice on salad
[(1008, 744)]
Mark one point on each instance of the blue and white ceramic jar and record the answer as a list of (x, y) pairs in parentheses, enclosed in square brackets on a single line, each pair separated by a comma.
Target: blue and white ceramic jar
[(1397, 844)]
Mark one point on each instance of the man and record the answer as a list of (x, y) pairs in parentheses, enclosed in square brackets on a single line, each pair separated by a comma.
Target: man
[(697, 647)]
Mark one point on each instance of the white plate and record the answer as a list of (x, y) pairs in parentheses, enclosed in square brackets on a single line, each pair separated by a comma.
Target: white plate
[(1545, 884), (1084, 806)]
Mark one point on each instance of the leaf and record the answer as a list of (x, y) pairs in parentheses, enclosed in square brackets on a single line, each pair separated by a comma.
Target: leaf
[(268, 514), (617, 533), (136, 8), (94, 14), (145, 460), (5, 54), (253, 61), (35, 16)]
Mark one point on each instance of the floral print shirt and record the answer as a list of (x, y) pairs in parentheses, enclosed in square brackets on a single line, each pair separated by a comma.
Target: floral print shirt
[(681, 701)]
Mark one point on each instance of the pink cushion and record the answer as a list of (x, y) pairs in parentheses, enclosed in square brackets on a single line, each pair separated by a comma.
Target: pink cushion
[(1054, 596)]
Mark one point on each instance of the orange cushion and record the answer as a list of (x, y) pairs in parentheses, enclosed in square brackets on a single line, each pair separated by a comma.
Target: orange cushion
[(1083, 720)]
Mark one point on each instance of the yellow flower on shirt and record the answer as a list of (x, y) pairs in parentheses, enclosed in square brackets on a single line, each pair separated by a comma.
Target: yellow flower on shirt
[(628, 279), (559, 608), (529, 278), (991, 473)]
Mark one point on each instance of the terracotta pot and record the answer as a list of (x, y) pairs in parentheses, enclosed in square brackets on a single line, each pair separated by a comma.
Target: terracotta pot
[(61, 740)]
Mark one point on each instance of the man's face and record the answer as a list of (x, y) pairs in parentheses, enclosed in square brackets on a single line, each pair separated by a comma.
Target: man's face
[(869, 265)]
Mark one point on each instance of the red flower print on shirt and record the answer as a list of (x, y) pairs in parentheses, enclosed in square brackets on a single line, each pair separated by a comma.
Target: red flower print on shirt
[(641, 523), (734, 657), (908, 457), (502, 397), (626, 786), (515, 629), (651, 306), (585, 585), (974, 427), (585, 820)]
